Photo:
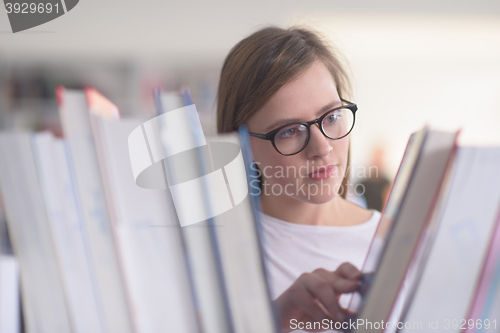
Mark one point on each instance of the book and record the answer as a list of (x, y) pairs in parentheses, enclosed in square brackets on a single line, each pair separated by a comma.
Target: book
[(413, 206), (485, 309), (66, 233), (44, 303), (207, 177), (10, 305), (147, 230), (75, 118), (239, 236), (467, 222), (390, 211), (172, 139), (10, 310)]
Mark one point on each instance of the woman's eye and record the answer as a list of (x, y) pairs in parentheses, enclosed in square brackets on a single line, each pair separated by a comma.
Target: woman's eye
[(331, 118), (287, 133)]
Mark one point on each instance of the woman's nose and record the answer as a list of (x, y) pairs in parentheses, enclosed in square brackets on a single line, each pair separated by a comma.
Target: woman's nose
[(319, 145)]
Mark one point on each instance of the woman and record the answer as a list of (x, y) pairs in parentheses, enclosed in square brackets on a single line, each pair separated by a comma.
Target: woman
[(290, 90)]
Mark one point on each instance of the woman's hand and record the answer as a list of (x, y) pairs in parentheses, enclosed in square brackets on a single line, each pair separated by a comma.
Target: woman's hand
[(314, 296)]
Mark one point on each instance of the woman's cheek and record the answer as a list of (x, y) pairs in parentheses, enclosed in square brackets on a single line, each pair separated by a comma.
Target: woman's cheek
[(275, 174), (280, 175)]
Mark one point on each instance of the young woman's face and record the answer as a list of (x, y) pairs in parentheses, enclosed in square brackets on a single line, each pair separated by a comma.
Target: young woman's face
[(302, 100)]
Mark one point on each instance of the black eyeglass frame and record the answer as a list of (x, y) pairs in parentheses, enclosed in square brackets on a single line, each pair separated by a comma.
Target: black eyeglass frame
[(272, 134)]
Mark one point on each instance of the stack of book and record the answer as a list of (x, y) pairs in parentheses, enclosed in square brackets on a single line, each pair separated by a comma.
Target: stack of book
[(146, 225), (100, 250)]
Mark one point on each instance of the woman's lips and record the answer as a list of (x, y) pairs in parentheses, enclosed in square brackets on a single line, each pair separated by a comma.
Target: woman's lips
[(322, 173)]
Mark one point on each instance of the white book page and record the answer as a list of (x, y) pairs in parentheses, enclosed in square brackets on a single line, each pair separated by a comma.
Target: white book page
[(450, 277)]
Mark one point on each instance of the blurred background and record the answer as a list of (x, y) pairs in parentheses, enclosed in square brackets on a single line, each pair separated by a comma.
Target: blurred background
[(412, 62)]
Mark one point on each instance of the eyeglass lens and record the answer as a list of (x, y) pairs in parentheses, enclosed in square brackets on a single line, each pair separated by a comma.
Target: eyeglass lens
[(336, 124)]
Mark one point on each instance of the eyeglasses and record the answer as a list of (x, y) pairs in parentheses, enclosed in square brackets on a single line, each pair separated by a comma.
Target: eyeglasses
[(292, 138)]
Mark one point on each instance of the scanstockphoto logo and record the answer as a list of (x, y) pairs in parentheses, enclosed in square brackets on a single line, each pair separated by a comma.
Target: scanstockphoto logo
[(176, 139), (26, 14)]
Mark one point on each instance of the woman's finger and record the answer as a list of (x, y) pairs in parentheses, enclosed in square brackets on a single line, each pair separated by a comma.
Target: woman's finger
[(303, 300), (348, 271), (322, 290), (342, 285), (339, 284)]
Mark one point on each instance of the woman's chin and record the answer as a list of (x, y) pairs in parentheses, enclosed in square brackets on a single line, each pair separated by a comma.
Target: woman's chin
[(310, 192), (319, 198)]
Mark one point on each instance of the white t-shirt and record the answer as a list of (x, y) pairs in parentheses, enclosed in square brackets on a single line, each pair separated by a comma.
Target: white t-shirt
[(292, 249)]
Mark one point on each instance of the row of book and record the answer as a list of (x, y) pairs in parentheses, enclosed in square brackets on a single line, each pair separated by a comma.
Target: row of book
[(99, 253), (146, 225)]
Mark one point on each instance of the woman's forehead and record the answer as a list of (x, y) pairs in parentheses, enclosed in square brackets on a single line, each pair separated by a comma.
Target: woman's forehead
[(301, 99)]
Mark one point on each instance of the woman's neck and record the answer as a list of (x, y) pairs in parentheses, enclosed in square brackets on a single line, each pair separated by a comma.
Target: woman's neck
[(293, 210)]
